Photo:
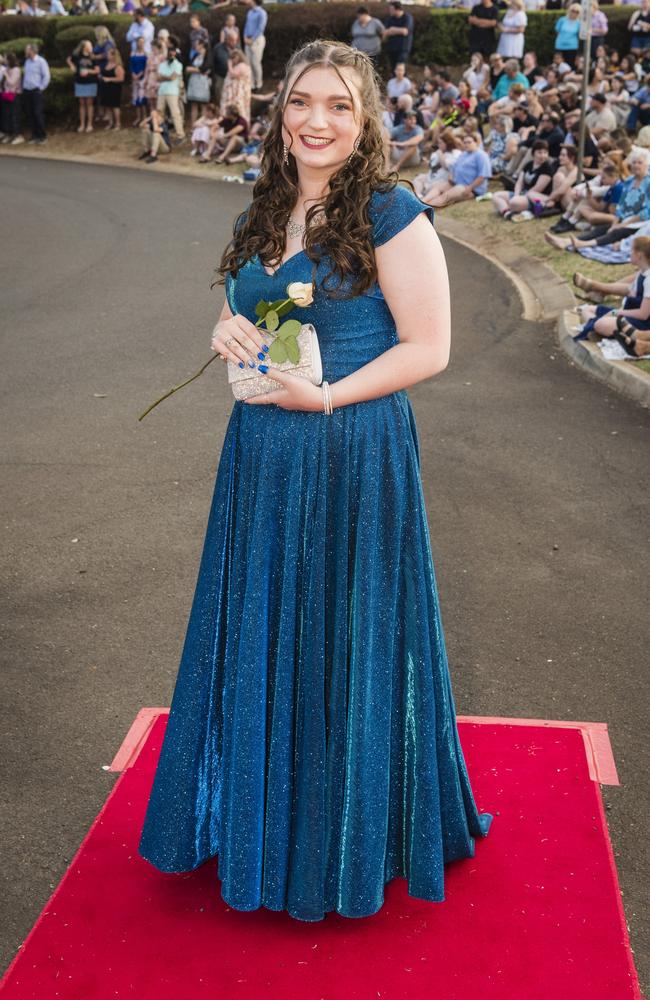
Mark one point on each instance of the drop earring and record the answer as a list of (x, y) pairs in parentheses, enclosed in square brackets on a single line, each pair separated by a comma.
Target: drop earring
[(357, 142), (285, 152)]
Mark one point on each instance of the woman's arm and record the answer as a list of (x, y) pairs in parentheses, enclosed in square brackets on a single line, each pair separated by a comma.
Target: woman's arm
[(418, 298)]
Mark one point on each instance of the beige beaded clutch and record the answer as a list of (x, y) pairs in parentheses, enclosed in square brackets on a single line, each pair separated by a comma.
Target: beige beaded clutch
[(249, 381)]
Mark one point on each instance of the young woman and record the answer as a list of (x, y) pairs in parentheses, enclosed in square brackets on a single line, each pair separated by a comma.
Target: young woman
[(639, 26), (103, 42), (312, 741), (567, 34), (512, 29), (11, 90), (237, 87), (111, 80), (138, 69), (477, 74), (85, 82), (533, 179), (199, 80)]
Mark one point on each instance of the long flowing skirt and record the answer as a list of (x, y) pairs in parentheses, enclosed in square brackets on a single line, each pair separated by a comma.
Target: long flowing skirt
[(312, 741)]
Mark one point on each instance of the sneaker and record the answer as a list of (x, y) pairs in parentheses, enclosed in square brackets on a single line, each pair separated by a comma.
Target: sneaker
[(562, 226), (484, 197), (194, 152), (41, 142), (151, 159), (6, 139), (143, 156), (181, 139), (16, 141), (522, 217), (583, 226)]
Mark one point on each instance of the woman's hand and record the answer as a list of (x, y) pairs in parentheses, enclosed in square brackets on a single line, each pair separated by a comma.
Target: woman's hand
[(246, 341), (295, 393)]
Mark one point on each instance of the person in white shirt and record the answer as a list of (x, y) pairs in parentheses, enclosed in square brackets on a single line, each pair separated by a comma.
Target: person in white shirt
[(399, 84), (512, 28), (141, 28)]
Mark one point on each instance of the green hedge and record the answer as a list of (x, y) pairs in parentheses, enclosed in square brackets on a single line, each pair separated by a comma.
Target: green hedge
[(17, 45), (67, 40), (59, 99), (440, 35)]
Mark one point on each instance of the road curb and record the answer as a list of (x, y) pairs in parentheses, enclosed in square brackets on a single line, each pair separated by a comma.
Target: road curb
[(621, 375), (546, 296)]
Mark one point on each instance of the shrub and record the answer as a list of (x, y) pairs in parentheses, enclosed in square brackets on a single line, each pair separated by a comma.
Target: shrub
[(67, 40), (59, 100), (17, 45)]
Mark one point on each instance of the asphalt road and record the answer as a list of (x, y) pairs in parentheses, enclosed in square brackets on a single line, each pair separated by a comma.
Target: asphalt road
[(535, 477)]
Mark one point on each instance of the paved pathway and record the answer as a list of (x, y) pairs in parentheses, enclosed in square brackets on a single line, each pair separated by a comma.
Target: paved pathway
[(535, 476)]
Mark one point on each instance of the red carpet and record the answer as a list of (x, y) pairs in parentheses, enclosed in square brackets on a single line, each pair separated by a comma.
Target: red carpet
[(535, 915)]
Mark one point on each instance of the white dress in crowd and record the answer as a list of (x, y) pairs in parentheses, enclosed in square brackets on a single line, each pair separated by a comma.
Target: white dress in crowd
[(511, 46)]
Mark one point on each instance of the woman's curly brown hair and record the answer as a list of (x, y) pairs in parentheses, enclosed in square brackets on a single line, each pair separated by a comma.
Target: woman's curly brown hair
[(345, 234)]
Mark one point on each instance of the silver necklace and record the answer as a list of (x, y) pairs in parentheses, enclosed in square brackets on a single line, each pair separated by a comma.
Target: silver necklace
[(298, 228), (295, 228)]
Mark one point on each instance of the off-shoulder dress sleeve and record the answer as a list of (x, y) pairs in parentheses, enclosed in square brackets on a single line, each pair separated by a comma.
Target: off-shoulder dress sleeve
[(392, 211)]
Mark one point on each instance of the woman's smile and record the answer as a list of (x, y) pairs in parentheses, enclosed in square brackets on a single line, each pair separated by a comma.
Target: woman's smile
[(312, 142)]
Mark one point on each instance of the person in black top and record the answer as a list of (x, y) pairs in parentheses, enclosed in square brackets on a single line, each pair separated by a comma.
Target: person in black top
[(536, 176), (549, 129), (523, 123), (482, 33), (398, 37), (591, 153)]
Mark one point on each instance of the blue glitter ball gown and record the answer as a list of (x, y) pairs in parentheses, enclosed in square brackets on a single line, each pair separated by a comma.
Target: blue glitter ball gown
[(312, 741)]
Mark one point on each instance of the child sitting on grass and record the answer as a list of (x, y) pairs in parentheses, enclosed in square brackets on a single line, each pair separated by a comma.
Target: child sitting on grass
[(203, 130)]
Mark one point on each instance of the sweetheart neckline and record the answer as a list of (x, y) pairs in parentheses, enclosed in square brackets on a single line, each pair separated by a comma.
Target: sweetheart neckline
[(298, 253)]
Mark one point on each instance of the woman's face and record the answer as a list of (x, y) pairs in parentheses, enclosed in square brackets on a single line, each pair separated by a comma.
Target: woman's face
[(363, 19), (639, 166), (230, 21), (400, 68), (539, 156), (563, 157), (87, 49), (321, 109), (442, 145)]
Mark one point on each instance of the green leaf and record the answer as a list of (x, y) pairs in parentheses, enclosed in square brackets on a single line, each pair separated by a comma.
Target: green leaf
[(277, 352), (262, 308), (293, 350), (287, 307), (290, 328), (276, 305), (272, 320)]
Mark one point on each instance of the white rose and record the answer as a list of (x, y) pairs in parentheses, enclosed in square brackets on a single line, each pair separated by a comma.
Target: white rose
[(301, 293)]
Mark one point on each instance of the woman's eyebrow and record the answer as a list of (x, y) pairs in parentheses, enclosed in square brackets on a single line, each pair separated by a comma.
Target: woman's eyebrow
[(332, 97)]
